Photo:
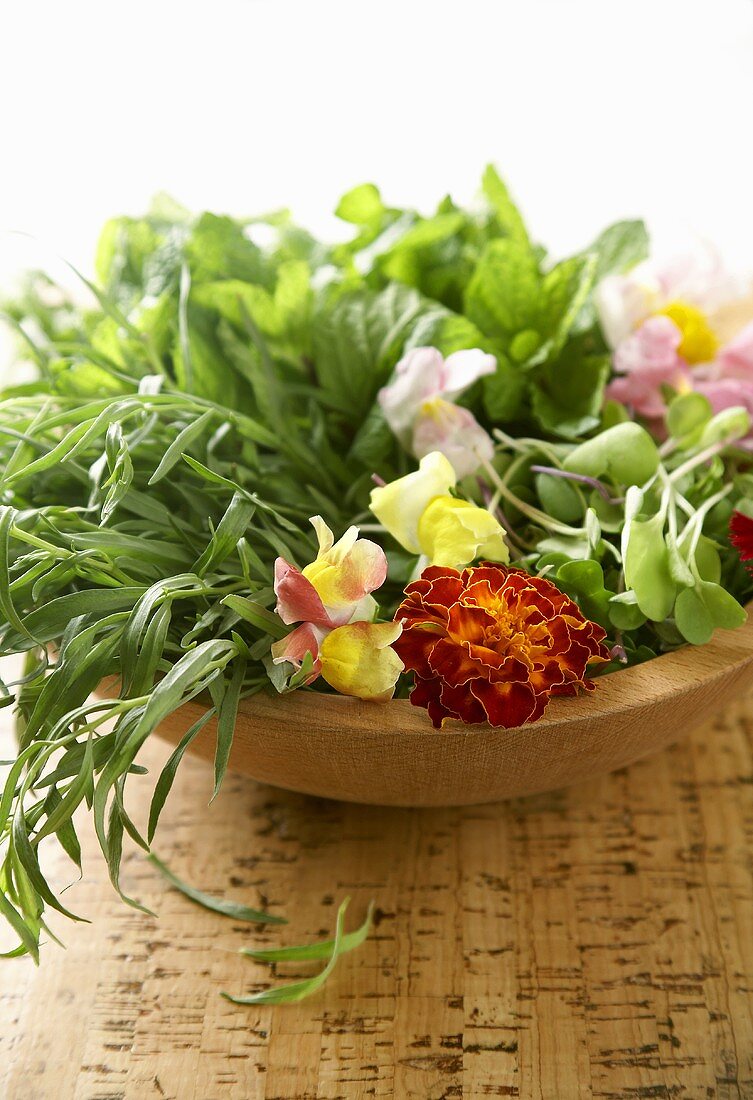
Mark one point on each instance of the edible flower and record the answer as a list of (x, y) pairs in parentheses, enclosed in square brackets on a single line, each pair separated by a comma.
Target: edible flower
[(664, 325), (493, 645), (419, 511), (741, 536), (336, 587), (418, 404), (358, 659), (331, 600)]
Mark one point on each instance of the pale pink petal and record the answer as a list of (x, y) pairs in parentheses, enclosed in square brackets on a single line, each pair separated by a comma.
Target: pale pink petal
[(463, 368), (297, 599), (455, 433), (624, 301), (698, 277), (362, 570), (417, 377), (647, 362), (735, 360), (294, 647), (640, 393), (728, 393), (653, 346)]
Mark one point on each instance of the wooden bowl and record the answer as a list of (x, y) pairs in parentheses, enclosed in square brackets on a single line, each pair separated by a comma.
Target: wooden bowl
[(390, 755)]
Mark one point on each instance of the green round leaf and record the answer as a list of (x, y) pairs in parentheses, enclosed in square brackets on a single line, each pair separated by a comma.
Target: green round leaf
[(626, 616), (688, 413), (693, 618), (647, 569), (707, 560), (723, 608), (727, 426), (626, 454), (558, 498)]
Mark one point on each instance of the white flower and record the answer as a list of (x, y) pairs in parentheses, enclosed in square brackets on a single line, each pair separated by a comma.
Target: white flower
[(455, 432), (417, 401)]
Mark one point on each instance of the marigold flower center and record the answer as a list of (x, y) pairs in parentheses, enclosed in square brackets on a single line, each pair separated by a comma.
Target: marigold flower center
[(508, 632)]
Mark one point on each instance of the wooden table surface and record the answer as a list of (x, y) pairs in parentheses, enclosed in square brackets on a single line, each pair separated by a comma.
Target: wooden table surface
[(594, 942)]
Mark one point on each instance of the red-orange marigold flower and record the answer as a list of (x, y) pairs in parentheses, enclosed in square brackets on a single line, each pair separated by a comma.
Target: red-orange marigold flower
[(492, 644)]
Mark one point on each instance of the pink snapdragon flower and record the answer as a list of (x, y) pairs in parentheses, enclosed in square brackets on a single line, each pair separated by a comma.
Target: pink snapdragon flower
[(331, 601), (418, 404)]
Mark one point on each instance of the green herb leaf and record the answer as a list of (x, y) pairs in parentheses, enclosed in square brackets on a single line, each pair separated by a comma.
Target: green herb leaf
[(223, 906), (298, 991), (311, 951)]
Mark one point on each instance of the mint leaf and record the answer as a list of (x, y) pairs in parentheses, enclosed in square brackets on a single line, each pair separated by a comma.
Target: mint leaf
[(283, 312), (506, 213), (567, 394), (358, 340), (620, 247), (361, 205), (218, 248), (566, 290), (505, 392), (503, 297)]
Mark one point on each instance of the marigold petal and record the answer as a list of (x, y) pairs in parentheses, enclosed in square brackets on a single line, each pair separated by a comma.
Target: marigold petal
[(469, 622), (452, 663), (414, 647), (507, 705), (427, 693), (461, 704)]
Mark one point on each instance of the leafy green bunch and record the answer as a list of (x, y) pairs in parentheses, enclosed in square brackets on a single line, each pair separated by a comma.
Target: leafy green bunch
[(219, 387)]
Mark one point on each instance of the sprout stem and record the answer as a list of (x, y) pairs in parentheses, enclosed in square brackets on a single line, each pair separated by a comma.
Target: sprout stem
[(534, 514)]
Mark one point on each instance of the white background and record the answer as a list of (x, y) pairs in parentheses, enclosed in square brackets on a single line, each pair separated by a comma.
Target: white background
[(592, 110)]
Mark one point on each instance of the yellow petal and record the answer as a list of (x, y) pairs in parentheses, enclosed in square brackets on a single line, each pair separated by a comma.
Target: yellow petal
[(344, 582), (357, 659), (324, 534), (400, 505), (455, 532)]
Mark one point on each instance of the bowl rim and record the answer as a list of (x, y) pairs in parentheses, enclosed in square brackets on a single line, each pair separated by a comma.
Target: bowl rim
[(615, 692), (618, 691)]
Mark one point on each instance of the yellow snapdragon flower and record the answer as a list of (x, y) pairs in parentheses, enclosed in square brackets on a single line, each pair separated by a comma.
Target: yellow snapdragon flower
[(419, 511)]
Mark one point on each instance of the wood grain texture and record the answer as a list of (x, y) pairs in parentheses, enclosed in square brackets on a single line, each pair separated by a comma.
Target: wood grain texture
[(390, 755), (590, 943)]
